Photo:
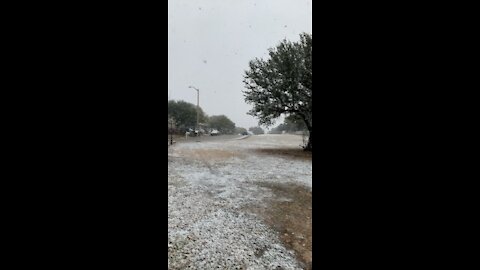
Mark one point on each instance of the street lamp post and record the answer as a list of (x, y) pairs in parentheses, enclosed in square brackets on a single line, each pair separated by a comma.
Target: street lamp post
[(198, 109), (171, 130)]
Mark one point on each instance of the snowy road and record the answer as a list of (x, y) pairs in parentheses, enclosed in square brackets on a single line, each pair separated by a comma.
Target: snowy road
[(240, 204)]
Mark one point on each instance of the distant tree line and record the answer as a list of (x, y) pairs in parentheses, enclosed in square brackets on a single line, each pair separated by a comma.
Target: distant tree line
[(291, 124), (256, 130), (184, 115)]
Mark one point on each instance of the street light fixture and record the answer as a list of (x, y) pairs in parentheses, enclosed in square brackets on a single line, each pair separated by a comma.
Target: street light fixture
[(198, 109)]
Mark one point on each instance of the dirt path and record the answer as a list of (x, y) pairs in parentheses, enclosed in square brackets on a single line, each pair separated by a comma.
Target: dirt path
[(240, 204)]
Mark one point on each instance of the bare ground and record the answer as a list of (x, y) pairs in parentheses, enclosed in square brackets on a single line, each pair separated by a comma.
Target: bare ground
[(291, 217)]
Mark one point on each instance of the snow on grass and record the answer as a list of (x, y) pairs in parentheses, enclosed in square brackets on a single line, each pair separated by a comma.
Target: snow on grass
[(207, 227)]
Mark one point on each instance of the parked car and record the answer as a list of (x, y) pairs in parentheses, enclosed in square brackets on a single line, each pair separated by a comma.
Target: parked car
[(214, 133)]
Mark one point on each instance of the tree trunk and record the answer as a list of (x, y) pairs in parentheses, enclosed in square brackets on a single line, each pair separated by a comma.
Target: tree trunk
[(308, 124), (308, 147)]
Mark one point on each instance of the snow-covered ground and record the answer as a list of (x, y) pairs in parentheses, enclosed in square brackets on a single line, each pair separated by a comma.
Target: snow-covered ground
[(212, 186)]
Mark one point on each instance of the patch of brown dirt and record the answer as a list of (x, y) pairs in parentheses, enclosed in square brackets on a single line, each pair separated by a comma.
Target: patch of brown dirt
[(290, 214), (211, 154), (295, 153)]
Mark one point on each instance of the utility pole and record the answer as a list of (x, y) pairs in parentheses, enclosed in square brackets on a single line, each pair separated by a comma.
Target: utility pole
[(198, 110), (171, 122)]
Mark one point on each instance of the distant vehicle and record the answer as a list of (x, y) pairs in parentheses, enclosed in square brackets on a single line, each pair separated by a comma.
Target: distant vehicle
[(193, 133), (244, 133), (214, 133)]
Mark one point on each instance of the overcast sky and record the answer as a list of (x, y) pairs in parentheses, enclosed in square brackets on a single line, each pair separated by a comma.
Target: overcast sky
[(210, 43)]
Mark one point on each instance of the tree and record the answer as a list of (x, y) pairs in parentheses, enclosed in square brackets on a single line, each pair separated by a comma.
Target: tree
[(222, 124), (184, 114), (280, 129), (294, 123), (291, 124), (240, 130), (282, 84), (257, 130)]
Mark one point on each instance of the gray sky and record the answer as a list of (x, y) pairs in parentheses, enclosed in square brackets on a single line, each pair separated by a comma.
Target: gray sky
[(210, 43)]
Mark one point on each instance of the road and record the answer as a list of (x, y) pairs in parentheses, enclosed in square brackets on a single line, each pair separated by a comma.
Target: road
[(240, 203), (205, 138)]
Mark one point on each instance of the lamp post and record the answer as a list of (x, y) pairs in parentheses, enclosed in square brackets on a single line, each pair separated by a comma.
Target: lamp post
[(170, 121), (198, 109)]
